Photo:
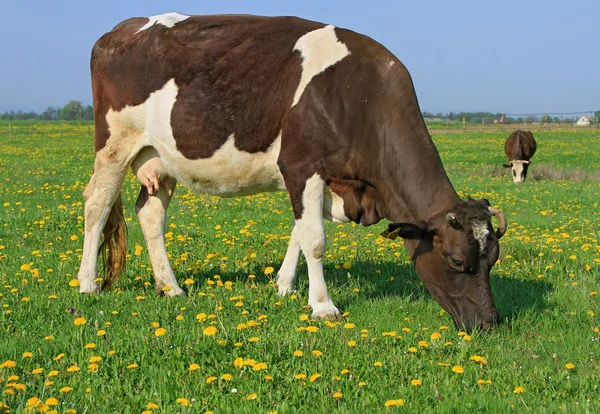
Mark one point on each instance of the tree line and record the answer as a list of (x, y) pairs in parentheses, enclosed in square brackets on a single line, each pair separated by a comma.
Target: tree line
[(489, 117), (73, 111)]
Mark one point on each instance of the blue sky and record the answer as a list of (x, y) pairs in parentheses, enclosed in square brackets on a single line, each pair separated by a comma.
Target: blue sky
[(521, 56)]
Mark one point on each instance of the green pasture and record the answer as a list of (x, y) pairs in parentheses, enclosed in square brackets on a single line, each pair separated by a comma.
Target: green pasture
[(233, 346)]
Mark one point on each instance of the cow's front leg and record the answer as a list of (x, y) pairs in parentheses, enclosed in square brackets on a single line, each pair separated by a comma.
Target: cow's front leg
[(311, 235), (286, 277)]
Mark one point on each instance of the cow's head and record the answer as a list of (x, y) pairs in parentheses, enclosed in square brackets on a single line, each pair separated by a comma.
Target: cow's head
[(453, 253), (519, 170)]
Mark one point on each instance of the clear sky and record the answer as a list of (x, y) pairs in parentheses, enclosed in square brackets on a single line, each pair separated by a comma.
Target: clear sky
[(521, 56)]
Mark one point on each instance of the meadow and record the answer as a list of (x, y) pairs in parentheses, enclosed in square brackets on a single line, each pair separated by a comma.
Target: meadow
[(233, 345)]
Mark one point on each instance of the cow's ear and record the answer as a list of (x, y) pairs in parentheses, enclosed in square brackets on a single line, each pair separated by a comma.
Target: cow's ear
[(406, 231), (507, 165), (486, 202)]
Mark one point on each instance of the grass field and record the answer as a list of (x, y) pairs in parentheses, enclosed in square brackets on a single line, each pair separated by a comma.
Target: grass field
[(234, 346)]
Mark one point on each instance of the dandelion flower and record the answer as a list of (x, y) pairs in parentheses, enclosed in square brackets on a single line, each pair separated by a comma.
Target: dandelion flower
[(458, 369), (394, 403), (160, 332), (193, 367), (519, 390), (569, 366), (416, 382), (337, 395), (210, 330), (183, 401), (79, 322)]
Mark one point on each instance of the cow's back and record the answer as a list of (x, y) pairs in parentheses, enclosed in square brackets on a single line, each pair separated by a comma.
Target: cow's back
[(520, 145), (234, 75)]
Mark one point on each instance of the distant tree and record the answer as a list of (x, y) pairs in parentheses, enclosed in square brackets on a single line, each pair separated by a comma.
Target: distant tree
[(597, 116), (546, 119), (88, 113), (73, 111), (451, 116), (50, 114)]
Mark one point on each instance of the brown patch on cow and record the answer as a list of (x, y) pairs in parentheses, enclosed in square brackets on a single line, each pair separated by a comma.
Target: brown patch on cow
[(520, 145)]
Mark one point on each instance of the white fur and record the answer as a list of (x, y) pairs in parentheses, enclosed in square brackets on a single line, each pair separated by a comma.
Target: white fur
[(333, 207), (311, 233), (320, 49), (333, 210), (480, 232), (517, 168), (286, 277), (167, 19)]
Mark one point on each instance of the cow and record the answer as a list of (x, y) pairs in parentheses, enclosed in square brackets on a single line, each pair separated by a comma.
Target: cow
[(232, 105), (519, 148)]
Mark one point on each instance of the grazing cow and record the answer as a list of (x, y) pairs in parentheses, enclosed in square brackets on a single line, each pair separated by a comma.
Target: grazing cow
[(233, 105), (519, 148)]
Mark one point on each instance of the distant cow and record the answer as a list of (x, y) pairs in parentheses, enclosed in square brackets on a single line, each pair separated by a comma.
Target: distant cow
[(519, 148), (234, 104)]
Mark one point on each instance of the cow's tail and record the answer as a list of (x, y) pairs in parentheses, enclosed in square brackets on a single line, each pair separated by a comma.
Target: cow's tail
[(114, 245)]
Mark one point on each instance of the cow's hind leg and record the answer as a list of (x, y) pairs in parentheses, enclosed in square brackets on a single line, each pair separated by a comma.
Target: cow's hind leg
[(103, 214), (152, 213), (308, 209)]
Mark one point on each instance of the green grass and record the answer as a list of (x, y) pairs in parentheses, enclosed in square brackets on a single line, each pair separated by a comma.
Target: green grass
[(544, 288)]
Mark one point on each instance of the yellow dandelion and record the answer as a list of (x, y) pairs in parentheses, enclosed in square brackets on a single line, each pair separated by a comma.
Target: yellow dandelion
[(569, 366), (193, 367), (210, 330), (416, 382), (160, 332), (337, 395), (394, 403), (458, 369), (183, 401), (79, 321), (519, 390)]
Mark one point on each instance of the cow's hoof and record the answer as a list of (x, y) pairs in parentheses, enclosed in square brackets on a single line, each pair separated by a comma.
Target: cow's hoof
[(170, 291), (283, 290), (325, 310), (89, 287)]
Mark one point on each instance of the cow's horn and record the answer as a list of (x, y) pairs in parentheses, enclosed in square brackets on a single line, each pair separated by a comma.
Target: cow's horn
[(451, 218), (502, 225)]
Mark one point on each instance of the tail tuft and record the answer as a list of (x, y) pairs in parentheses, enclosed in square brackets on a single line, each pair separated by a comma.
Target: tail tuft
[(114, 245)]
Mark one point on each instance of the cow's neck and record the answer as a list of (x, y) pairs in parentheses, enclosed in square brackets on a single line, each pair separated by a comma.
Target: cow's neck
[(418, 186)]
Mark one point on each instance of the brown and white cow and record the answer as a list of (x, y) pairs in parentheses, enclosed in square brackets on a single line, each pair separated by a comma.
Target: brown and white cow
[(235, 104), (519, 148)]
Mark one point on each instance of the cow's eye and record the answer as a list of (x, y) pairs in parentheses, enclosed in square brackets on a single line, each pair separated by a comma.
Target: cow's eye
[(457, 262)]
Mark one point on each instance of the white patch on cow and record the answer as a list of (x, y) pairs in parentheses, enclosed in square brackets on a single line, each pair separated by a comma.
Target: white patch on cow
[(228, 172), (311, 234), (167, 19), (333, 207), (517, 170), (320, 49), (480, 232)]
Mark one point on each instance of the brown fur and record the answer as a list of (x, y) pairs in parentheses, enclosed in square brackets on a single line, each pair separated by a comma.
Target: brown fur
[(113, 248)]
